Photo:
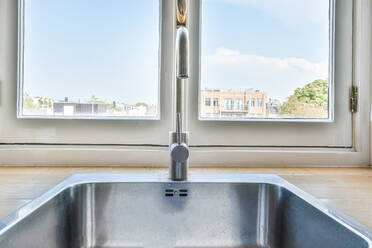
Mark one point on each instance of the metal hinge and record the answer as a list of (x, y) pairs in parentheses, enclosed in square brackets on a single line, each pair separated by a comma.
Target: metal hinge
[(354, 94)]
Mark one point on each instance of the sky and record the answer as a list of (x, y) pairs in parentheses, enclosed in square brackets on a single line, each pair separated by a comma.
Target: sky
[(106, 48), (272, 45), (109, 48)]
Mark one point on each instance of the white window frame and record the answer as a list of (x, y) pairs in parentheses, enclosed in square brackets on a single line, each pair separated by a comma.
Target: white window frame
[(20, 75), (280, 132), (156, 154), (62, 131), (355, 151)]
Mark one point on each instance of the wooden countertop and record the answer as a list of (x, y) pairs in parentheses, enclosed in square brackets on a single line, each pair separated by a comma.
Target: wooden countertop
[(348, 190)]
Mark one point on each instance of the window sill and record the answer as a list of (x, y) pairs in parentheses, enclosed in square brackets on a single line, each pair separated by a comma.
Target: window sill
[(157, 156)]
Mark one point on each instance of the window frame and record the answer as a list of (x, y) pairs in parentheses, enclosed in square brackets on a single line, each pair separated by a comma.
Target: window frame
[(331, 69), (277, 132), (357, 154), (62, 131), (20, 77), (30, 153)]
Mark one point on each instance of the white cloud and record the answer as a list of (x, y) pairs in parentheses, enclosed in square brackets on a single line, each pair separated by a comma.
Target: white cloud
[(279, 77)]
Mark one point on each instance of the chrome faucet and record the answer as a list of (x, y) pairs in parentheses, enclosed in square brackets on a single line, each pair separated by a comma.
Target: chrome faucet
[(178, 140)]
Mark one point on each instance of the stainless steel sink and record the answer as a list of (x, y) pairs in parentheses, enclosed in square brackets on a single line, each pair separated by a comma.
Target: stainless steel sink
[(148, 210)]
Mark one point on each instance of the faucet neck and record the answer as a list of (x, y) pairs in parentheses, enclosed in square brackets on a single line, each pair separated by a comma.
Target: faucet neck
[(178, 140)]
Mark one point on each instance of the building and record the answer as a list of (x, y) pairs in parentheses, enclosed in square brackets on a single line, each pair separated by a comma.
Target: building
[(134, 110), (243, 104), (73, 108), (273, 107)]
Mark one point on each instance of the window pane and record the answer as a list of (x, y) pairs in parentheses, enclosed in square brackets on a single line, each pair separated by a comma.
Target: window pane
[(90, 58), (271, 58), (228, 104)]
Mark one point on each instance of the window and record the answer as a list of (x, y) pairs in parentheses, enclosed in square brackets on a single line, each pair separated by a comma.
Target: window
[(207, 102), (259, 103), (274, 52), (238, 104), (134, 128), (228, 103), (86, 59), (251, 50), (272, 49), (215, 102)]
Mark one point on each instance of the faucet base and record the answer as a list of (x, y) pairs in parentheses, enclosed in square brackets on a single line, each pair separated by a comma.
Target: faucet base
[(178, 169)]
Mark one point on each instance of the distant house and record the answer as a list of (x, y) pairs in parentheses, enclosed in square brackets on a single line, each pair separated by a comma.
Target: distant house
[(72, 108), (248, 103)]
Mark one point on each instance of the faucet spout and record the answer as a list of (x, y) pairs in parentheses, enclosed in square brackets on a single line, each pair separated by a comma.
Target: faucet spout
[(182, 52)]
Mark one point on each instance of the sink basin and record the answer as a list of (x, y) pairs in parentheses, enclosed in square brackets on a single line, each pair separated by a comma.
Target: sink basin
[(148, 210)]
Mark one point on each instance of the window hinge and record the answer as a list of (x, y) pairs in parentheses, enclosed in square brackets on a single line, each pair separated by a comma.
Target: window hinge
[(354, 94)]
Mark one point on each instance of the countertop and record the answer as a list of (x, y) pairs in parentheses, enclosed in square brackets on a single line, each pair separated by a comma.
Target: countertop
[(348, 190)]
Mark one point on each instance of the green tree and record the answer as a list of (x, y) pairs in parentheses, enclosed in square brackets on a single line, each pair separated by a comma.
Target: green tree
[(94, 99), (141, 104), (29, 103), (311, 101)]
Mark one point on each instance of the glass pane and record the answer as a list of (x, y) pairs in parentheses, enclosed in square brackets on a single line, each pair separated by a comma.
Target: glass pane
[(90, 58), (267, 59)]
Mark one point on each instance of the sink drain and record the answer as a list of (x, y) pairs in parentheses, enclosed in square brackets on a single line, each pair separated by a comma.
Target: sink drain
[(176, 192)]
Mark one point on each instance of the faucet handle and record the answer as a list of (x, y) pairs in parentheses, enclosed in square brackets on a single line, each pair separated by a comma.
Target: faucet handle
[(179, 152)]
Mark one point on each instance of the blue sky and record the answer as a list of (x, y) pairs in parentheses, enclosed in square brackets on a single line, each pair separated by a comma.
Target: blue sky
[(109, 48), (271, 45), (92, 47)]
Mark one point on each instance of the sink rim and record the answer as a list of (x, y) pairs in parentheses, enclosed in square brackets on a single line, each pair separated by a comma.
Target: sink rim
[(270, 179)]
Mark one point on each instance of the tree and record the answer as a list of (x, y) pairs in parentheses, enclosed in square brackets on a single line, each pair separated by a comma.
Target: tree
[(309, 101), (94, 99), (141, 104), (29, 103)]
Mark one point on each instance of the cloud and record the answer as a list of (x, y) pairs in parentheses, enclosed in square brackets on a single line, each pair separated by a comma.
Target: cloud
[(279, 77)]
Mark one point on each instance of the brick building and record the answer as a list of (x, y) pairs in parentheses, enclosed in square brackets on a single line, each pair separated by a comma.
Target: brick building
[(216, 103)]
